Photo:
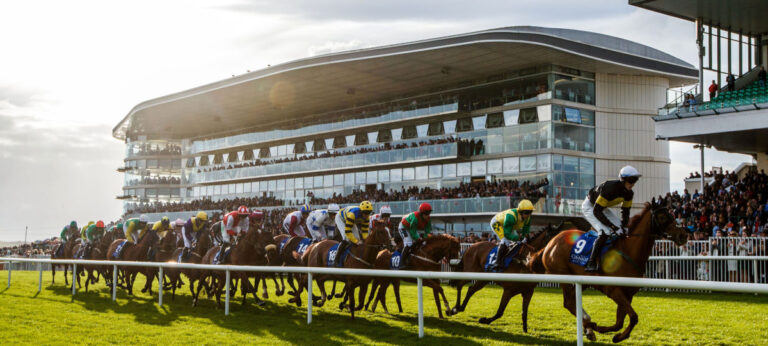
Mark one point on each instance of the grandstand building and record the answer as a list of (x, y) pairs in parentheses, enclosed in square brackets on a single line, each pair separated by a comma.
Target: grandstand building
[(522, 103), (731, 39)]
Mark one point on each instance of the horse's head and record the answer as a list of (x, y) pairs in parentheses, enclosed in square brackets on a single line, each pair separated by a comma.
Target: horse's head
[(442, 246), (540, 239), (663, 224), (378, 235), (150, 238), (257, 241), (168, 242)]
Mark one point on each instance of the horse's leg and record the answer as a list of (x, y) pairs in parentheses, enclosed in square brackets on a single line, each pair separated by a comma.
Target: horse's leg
[(264, 293), (618, 296), (342, 292), (255, 288), (333, 291), (66, 271), (508, 294), (569, 302), (382, 296), (527, 294), (323, 294), (53, 274), (361, 296), (278, 291), (350, 288), (396, 289), (374, 285), (437, 291), (478, 285)]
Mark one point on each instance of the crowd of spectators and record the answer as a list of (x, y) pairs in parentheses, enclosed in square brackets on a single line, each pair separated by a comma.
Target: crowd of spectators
[(477, 149), (205, 204), (156, 181), (728, 206), (36, 248), (149, 149), (511, 188)]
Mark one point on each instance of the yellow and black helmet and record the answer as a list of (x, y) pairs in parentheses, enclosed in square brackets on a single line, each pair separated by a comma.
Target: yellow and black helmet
[(366, 206)]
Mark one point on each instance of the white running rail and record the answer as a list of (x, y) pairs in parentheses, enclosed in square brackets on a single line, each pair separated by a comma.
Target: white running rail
[(578, 281)]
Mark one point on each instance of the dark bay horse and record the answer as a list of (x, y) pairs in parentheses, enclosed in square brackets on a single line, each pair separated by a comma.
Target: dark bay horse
[(360, 257), (474, 260), (251, 249), (289, 257), (133, 252), (195, 256), (427, 258), (99, 252), (66, 253), (160, 252), (627, 258)]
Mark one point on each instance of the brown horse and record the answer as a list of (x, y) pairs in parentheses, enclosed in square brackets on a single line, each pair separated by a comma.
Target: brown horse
[(66, 253), (627, 258), (251, 249), (289, 257), (161, 252), (426, 258), (195, 256), (474, 260), (360, 257), (97, 253), (133, 252)]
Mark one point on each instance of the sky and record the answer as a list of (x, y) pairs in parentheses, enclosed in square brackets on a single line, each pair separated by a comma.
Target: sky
[(70, 70)]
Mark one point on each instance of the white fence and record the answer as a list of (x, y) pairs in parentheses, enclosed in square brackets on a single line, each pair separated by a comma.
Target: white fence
[(578, 281)]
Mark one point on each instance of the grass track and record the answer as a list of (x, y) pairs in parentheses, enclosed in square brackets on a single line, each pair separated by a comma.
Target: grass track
[(53, 317)]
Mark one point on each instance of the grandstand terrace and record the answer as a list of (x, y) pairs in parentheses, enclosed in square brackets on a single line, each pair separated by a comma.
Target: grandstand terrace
[(516, 104)]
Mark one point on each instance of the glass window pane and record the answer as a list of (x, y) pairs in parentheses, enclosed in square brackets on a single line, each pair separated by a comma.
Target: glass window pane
[(239, 188), (449, 170), (349, 179), (299, 183), (511, 165), (384, 176), (247, 188), (328, 180), (396, 134), (586, 165), (264, 186), (308, 183), (479, 122), (422, 173), (371, 177), (338, 180), (463, 169), (494, 166), (449, 126), (372, 137), (360, 178), (395, 175), (511, 116), (570, 164), (408, 173), (527, 163), (543, 163), (281, 185), (421, 130), (557, 162), (272, 186), (435, 171), (317, 181), (478, 168)]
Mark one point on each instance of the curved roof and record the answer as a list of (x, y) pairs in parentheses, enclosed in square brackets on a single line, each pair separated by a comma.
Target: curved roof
[(322, 83)]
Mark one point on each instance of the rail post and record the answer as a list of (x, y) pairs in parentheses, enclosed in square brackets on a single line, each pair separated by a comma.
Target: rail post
[(40, 277), (421, 307), (74, 278), (10, 264), (666, 272), (579, 317), (754, 272), (114, 282), (226, 295), (160, 286), (309, 298)]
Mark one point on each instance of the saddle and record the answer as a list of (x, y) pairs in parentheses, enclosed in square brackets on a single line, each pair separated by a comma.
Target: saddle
[(510, 257)]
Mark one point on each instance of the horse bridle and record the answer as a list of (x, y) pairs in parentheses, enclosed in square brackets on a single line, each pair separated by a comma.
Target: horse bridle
[(655, 231)]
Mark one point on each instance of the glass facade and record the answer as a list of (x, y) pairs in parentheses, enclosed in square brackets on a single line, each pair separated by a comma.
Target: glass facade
[(517, 142)]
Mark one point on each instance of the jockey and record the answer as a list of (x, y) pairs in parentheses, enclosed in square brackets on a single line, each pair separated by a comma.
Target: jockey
[(321, 222), (293, 223), (191, 230), (234, 223), (93, 233), (384, 213), (354, 221), (67, 231), (162, 226), (177, 226), (410, 226), (606, 195), (506, 226), (83, 231), (135, 228)]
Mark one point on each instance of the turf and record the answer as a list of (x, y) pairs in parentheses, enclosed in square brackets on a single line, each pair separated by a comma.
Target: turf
[(54, 317)]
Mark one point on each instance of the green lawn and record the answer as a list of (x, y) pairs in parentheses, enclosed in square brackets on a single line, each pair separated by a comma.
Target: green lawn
[(53, 317)]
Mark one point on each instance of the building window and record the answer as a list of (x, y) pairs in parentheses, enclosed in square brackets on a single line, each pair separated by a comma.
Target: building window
[(409, 132), (464, 124), (384, 136), (435, 129), (495, 120), (575, 89), (528, 115)]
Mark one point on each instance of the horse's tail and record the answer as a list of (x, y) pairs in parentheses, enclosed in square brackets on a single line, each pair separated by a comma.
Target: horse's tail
[(457, 268), (536, 262)]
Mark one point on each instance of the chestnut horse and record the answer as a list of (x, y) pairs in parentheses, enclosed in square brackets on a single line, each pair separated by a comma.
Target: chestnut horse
[(162, 252), (474, 260), (360, 257), (627, 258), (133, 252), (66, 253), (99, 252), (426, 258), (251, 249)]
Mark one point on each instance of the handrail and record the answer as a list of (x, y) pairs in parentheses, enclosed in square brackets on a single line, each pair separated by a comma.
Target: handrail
[(577, 280)]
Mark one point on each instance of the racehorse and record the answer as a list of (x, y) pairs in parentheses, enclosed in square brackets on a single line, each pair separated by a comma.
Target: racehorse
[(627, 258), (252, 248), (289, 257), (195, 256), (66, 253), (360, 256), (133, 252), (426, 258), (161, 252), (99, 252), (474, 260)]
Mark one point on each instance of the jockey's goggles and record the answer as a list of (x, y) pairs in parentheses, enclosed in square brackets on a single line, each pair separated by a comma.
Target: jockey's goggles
[(631, 180), (385, 215), (426, 213), (526, 212)]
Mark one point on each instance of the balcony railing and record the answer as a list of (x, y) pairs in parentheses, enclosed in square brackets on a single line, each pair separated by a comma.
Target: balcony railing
[(399, 156)]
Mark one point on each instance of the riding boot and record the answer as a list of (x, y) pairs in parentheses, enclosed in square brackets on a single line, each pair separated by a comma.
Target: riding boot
[(222, 250), (500, 254), (339, 251), (592, 263), (406, 257)]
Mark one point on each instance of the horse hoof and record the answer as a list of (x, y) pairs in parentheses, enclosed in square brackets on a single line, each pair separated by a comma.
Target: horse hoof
[(485, 320), (617, 338), (591, 336), (278, 293)]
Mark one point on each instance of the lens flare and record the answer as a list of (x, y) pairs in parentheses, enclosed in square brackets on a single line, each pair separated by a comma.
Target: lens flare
[(611, 262), (572, 236)]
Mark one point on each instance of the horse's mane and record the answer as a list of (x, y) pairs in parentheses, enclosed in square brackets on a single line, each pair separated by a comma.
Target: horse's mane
[(634, 220)]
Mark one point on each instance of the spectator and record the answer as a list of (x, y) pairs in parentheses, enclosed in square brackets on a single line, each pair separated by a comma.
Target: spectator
[(713, 88), (761, 76), (731, 82)]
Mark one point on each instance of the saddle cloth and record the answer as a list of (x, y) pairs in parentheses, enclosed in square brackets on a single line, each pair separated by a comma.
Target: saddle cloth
[(333, 252), (506, 261), (395, 261), (118, 250), (582, 247)]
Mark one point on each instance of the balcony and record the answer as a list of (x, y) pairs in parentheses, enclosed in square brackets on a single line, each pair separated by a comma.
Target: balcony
[(398, 156)]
